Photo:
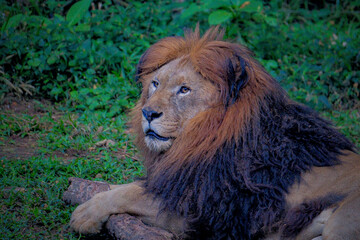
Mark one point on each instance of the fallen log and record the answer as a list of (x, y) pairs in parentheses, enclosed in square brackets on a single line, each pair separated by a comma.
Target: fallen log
[(119, 226)]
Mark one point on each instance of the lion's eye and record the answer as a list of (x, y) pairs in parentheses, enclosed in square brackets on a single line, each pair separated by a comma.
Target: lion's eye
[(155, 84), (184, 90)]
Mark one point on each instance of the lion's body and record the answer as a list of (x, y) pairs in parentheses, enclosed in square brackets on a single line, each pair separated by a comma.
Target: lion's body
[(228, 154)]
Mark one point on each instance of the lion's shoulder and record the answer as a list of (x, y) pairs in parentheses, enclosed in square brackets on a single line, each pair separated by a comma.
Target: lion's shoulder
[(341, 178)]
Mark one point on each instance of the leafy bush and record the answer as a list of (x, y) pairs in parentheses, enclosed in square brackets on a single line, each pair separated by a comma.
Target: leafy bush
[(314, 54), (83, 57), (58, 49)]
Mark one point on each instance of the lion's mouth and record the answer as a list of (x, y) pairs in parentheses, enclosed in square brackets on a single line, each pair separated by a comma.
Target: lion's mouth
[(152, 134)]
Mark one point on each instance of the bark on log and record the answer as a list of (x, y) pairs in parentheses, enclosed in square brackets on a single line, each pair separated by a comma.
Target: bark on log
[(119, 226)]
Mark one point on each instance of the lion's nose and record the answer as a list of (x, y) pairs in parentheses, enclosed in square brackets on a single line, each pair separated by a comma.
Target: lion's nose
[(150, 114)]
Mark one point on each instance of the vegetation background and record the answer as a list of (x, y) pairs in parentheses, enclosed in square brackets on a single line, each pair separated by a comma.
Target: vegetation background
[(67, 82)]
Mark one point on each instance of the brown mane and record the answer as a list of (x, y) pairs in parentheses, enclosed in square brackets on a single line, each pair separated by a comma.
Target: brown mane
[(211, 129)]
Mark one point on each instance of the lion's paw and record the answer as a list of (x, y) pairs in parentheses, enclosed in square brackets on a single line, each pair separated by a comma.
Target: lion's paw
[(88, 217)]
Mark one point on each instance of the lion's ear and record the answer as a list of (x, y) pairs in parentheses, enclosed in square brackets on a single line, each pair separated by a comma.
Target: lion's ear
[(236, 77)]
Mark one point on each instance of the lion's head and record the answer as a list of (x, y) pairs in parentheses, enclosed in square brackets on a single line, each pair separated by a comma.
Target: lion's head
[(189, 86)]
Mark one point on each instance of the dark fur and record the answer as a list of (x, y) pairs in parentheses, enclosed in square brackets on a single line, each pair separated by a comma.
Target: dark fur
[(239, 194)]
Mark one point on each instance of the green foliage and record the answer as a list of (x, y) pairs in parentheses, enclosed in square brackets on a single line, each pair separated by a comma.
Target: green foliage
[(223, 10), (111, 96), (12, 22), (347, 122), (219, 16), (57, 56), (314, 54), (77, 12), (61, 56)]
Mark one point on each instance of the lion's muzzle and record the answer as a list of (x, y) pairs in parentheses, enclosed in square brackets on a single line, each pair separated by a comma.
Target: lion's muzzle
[(150, 114)]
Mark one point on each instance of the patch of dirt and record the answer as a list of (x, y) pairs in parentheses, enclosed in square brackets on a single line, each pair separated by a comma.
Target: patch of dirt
[(68, 154), (20, 106), (22, 148), (17, 147)]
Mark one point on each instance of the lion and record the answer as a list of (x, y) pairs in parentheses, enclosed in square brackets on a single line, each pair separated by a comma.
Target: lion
[(228, 154)]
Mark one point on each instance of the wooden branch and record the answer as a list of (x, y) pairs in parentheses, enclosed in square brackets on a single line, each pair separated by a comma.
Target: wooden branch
[(119, 226)]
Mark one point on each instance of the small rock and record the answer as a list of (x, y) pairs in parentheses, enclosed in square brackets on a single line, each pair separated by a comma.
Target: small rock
[(105, 143)]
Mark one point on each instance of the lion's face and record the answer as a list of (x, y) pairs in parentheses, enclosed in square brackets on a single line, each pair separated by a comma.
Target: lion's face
[(175, 94)]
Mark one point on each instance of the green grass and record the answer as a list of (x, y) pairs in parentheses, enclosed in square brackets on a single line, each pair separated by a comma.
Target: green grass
[(312, 50), (31, 202), (32, 187), (347, 121)]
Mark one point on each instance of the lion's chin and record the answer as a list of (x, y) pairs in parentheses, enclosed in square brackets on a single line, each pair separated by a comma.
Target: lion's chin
[(157, 145)]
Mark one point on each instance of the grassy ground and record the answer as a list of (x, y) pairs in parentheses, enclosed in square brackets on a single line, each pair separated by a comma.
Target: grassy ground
[(40, 148), (313, 53)]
